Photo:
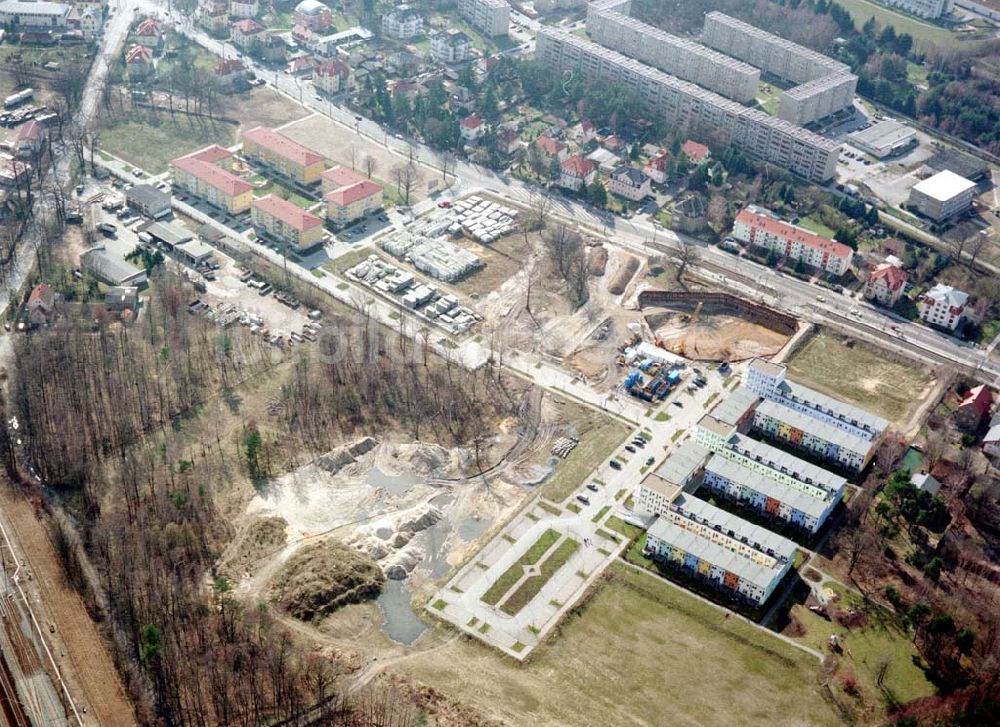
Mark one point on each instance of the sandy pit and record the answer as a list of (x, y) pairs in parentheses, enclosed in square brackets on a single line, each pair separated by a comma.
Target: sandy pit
[(714, 336)]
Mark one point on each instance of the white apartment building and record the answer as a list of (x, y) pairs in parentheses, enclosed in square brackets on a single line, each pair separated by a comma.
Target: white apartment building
[(931, 9), (403, 22), (492, 17), (943, 306), (659, 489), (826, 86), (790, 147), (943, 195), (609, 24), (756, 227), (22, 15), (451, 46)]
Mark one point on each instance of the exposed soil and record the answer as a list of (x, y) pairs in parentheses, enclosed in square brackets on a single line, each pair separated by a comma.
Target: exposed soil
[(322, 577), (714, 336)]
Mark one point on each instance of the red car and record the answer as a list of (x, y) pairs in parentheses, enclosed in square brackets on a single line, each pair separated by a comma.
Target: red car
[(446, 204)]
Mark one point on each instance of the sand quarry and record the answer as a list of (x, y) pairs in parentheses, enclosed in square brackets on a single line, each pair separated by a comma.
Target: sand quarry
[(716, 334)]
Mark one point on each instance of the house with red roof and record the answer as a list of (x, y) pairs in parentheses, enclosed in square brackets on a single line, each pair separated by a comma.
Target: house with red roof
[(41, 305), (279, 154), (149, 33), (471, 129), (302, 66), (758, 227), (974, 408), (550, 149), (576, 172), (339, 176), (695, 152), (231, 74), (332, 76), (213, 15), (246, 31), (656, 167), (139, 63), (352, 201), (584, 132), (200, 174), (286, 222), (30, 139), (885, 284)]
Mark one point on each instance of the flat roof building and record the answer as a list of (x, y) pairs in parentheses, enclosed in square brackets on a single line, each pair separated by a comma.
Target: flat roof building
[(755, 132), (964, 165), (679, 470), (148, 200), (943, 195), (885, 138), (492, 17), (110, 269)]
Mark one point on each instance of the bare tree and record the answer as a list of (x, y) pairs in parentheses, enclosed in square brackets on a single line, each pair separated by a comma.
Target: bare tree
[(353, 152), (369, 165), (976, 245), (405, 176), (687, 254)]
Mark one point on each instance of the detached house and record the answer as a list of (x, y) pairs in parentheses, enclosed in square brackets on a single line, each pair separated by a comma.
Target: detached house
[(885, 284), (149, 33), (695, 152), (313, 14), (975, 407), (245, 32), (244, 8), (576, 172), (656, 167), (943, 306), (42, 304), (139, 63), (628, 182), (230, 73), (550, 149), (471, 129), (403, 22), (332, 77), (451, 46), (30, 139)]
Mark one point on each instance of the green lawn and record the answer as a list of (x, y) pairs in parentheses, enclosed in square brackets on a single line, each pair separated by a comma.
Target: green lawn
[(811, 223), (601, 513), (530, 588), (859, 375), (620, 526), (882, 638), (599, 437), (639, 652), (863, 10), (273, 187), (513, 574), (150, 141)]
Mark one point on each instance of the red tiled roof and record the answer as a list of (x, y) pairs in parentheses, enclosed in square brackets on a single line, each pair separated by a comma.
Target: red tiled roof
[(41, 293), (695, 151), (980, 398), (302, 63), (578, 166), (549, 146), (228, 65), (31, 130), (659, 161), (289, 213), (333, 68), (895, 277), (342, 176), (282, 146), (148, 27), (248, 26), (792, 233), (202, 164), (139, 54), (471, 122), (353, 192)]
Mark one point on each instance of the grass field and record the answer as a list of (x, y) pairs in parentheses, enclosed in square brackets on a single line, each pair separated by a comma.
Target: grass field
[(816, 226), (599, 437), (150, 140), (513, 574), (862, 10), (641, 652), (858, 375), (530, 588), (881, 638)]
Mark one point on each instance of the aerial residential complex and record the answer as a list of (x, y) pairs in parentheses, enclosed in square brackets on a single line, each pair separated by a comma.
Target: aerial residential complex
[(757, 226), (791, 147), (733, 555), (348, 195), (826, 86), (286, 222), (492, 17), (609, 24)]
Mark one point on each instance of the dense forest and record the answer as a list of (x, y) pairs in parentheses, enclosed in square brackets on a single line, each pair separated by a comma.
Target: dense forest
[(138, 429)]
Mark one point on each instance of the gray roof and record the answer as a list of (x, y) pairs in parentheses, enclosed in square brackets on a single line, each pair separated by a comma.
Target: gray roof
[(961, 164), (196, 248), (171, 234), (706, 550), (108, 267), (779, 460), (758, 538), (840, 409), (734, 406), (993, 435), (33, 8), (630, 174), (816, 427), (770, 487), (682, 463), (148, 196), (925, 481)]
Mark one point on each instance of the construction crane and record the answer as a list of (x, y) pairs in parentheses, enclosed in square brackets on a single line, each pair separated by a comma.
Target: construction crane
[(697, 310)]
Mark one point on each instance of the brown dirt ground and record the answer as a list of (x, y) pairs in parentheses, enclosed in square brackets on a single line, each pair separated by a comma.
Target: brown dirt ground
[(714, 337), (262, 106), (77, 646)]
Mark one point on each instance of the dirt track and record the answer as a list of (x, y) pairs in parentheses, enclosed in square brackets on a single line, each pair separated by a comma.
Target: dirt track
[(86, 666)]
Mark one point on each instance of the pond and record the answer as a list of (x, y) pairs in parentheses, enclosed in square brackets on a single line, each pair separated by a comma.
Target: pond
[(401, 624)]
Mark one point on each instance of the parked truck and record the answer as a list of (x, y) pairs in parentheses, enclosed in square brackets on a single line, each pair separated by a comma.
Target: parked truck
[(16, 99)]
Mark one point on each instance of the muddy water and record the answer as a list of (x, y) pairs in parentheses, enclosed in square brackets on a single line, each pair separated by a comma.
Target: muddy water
[(392, 484), (401, 623)]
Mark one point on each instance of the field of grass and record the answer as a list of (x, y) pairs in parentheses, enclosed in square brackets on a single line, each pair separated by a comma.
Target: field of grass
[(882, 638), (811, 223), (858, 374), (599, 437), (640, 652), (513, 574), (862, 10), (530, 588), (150, 141)]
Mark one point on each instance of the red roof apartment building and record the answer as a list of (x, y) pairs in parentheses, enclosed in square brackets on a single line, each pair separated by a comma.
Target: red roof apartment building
[(757, 227)]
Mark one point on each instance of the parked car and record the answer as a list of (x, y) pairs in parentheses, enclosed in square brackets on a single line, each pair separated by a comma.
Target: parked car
[(630, 448), (615, 464), (678, 405), (592, 487), (649, 461), (584, 499)]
